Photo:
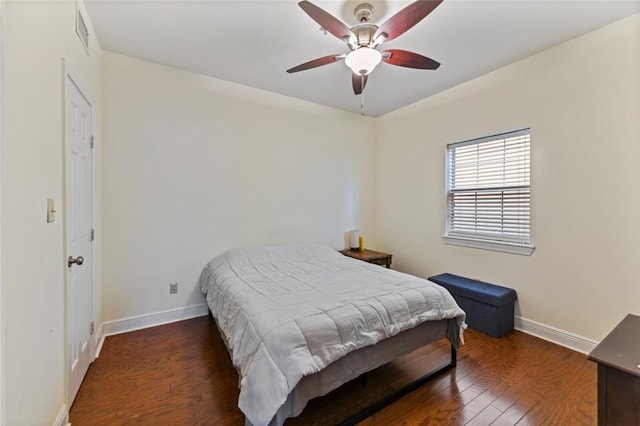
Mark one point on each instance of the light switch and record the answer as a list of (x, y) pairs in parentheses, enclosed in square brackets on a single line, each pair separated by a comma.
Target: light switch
[(51, 211)]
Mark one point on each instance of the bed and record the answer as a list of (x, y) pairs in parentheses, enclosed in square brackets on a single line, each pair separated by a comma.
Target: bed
[(299, 320)]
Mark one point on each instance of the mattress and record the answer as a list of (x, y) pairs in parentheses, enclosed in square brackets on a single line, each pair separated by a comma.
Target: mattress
[(287, 312)]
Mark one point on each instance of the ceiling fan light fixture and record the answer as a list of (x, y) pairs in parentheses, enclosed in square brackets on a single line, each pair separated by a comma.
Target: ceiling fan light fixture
[(363, 60)]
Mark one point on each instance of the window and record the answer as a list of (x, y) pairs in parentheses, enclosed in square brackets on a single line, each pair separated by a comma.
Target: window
[(489, 193)]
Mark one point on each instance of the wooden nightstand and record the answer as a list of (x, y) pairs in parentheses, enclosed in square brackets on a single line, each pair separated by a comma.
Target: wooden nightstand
[(370, 256)]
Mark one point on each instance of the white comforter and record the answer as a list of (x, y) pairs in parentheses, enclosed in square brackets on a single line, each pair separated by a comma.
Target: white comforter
[(288, 311)]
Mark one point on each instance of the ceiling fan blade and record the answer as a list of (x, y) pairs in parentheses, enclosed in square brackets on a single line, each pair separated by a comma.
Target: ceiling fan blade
[(325, 60), (358, 81), (399, 23), (327, 21), (404, 58)]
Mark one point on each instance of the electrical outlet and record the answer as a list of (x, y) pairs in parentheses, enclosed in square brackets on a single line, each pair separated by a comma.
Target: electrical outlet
[(173, 288)]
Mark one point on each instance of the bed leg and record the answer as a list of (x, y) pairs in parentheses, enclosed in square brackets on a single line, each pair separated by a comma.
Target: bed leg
[(364, 378), (454, 356)]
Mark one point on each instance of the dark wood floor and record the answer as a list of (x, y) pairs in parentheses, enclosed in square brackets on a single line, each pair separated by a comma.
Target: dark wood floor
[(180, 374)]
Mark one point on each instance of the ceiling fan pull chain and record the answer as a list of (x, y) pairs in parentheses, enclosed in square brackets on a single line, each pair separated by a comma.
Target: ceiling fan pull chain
[(362, 103)]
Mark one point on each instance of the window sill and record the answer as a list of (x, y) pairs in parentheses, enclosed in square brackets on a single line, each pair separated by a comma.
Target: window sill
[(521, 249)]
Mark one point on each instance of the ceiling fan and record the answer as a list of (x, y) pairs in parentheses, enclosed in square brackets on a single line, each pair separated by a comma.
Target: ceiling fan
[(364, 39)]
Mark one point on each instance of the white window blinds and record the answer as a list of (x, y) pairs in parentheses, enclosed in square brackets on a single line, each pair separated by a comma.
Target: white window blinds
[(488, 188)]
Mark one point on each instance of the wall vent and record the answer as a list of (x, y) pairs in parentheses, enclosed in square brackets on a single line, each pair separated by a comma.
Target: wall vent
[(81, 29)]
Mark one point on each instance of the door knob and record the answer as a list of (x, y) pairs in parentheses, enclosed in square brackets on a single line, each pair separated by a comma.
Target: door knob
[(78, 261)]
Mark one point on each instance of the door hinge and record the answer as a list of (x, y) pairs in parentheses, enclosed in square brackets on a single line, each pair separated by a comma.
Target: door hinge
[(93, 235), (92, 328), (91, 141)]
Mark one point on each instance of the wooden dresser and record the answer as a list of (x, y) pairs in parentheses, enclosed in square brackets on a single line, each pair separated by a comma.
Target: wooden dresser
[(618, 358)]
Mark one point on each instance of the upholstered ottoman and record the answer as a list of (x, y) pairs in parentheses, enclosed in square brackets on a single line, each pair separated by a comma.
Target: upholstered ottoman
[(489, 307)]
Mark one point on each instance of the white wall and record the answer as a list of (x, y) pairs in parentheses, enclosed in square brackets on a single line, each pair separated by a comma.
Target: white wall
[(194, 166), (37, 36), (581, 100)]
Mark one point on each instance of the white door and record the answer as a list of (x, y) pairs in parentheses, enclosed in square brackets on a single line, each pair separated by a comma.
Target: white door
[(78, 141)]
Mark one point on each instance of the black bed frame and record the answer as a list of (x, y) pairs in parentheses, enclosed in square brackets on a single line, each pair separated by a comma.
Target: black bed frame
[(388, 400)]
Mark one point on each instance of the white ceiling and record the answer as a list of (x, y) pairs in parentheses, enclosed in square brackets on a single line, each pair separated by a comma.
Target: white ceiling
[(254, 42)]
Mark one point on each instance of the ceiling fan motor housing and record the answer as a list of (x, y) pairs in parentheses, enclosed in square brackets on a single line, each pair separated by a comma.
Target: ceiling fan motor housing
[(364, 34), (364, 31)]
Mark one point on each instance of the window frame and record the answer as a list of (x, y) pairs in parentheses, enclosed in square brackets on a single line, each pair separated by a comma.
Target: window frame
[(483, 241)]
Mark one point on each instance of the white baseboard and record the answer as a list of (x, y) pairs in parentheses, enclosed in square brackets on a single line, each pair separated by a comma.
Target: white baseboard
[(99, 340), (554, 335), (109, 328), (63, 416)]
